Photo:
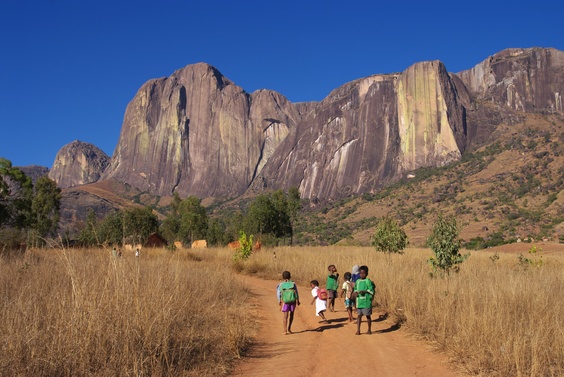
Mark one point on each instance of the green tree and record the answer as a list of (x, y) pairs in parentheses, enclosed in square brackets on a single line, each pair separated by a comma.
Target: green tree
[(193, 220), (269, 214), (215, 234), (445, 243), (88, 235), (138, 224), (169, 229), (110, 230), (16, 192), (45, 206), (389, 237), (245, 247), (294, 207)]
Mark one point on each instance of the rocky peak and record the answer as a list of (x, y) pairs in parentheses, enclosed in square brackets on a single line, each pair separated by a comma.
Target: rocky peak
[(197, 133), (522, 79), (78, 163)]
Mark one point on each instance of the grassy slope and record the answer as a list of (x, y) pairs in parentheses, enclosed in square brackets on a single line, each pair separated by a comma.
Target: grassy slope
[(513, 185)]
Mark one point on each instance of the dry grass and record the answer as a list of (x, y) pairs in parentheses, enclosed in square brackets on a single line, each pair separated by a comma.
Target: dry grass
[(83, 313), (78, 313), (494, 318)]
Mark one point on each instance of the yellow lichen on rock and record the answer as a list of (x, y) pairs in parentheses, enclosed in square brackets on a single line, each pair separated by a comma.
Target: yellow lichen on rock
[(426, 137)]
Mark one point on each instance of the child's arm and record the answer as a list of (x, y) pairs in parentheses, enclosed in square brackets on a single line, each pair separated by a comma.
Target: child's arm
[(297, 294)]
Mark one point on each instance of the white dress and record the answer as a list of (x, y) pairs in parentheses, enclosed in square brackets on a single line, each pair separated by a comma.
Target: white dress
[(320, 305)]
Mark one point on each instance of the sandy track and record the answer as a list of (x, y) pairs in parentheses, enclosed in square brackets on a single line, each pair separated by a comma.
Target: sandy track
[(333, 349)]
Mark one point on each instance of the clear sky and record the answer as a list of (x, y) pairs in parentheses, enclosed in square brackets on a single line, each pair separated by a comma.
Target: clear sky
[(68, 68)]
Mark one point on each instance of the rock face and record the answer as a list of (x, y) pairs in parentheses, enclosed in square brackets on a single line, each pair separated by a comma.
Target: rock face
[(528, 80), (370, 131), (78, 163), (197, 133), (34, 171)]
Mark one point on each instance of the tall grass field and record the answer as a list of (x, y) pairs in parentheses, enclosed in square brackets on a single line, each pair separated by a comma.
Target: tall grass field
[(85, 313)]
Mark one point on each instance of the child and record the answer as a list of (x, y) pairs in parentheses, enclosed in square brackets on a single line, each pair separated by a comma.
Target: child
[(348, 288), (364, 292), (332, 286), (354, 273), (287, 293), (320, 305)]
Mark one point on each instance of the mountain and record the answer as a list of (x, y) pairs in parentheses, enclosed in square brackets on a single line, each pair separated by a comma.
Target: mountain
[(197, 133), (78, 163)]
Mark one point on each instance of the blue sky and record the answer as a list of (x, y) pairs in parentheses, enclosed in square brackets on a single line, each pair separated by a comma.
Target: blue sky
[(68, 69)]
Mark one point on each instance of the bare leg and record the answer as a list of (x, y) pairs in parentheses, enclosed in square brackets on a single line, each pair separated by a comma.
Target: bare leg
[(290, 322), (285, 322), (358, 321), (369, 320)]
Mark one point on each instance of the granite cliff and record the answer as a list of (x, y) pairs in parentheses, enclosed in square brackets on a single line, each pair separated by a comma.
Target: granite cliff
[(78, 163), (197, 133)]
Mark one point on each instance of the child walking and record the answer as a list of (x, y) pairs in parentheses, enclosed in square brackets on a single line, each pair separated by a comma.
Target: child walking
[(332, 286), (320, 304), (347, 292), (288, 298), (364, 292)]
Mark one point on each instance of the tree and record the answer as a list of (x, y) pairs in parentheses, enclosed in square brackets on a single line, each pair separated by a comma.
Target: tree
[(110, 230), (193, 220), (269, 214), (45, 207), (88, 235), (389, 237), (294, 206), (169, 229), (446, 244), (245, 247), (138, 224), (16, 192)]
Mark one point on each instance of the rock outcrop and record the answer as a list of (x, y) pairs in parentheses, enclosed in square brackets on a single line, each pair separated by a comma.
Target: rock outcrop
[(78, 163), (370, 131), (34, 172), (197, 133), (527, 80)]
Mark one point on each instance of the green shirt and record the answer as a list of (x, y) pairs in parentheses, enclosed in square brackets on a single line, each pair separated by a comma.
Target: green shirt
[(364, 300), (332, 282)]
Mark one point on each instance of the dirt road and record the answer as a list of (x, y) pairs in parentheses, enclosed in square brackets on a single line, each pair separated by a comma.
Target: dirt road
[(317, 349)]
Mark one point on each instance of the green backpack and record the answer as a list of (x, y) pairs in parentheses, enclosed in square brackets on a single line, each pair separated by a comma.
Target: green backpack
[(288, 292)]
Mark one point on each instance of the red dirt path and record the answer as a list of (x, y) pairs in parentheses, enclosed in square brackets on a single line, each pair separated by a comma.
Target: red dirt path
[(333, 349)]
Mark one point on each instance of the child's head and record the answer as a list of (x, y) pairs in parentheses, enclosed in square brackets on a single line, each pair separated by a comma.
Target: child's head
[(286, 275), (348, 276), (314, 283), (332, 268), (363, 271)]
